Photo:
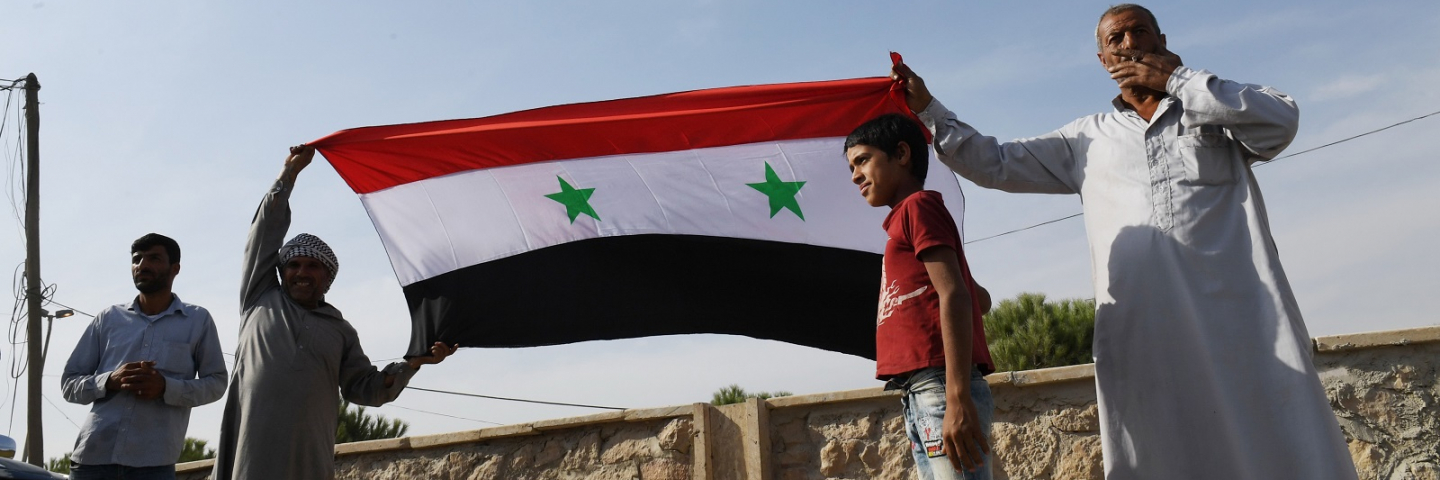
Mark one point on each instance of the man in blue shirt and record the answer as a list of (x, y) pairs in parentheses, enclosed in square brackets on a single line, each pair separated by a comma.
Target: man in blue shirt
[(142, 364)]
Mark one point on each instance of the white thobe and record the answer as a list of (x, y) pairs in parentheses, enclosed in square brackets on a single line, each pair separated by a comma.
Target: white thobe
[(1202, 363)]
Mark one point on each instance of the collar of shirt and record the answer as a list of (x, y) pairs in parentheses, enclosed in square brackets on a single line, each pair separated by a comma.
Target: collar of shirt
[(1123, 108), (175, 307)]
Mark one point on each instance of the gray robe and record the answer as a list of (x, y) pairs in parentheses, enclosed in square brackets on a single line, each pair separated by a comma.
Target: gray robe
[(281, 412)]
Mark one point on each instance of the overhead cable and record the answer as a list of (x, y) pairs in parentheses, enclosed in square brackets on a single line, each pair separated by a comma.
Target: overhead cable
[(442, 414), (476, 395)]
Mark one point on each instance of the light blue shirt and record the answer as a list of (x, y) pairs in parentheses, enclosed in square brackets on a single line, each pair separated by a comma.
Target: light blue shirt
[(122, 429)]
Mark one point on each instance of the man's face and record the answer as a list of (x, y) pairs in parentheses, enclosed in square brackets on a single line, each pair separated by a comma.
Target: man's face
[(1128, 30), (152, 270), (305, 279), (878, 174)]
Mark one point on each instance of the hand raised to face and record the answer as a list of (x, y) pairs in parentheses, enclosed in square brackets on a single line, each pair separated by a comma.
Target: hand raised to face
[(1133, 68)]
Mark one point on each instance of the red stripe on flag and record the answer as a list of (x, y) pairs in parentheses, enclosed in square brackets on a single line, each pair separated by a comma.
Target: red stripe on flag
[(375, 158)]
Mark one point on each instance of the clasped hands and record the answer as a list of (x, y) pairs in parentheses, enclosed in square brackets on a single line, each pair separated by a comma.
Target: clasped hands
[(139, 378)]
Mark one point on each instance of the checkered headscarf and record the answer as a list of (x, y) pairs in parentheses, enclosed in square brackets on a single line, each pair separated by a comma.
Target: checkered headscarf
[(307, 245)]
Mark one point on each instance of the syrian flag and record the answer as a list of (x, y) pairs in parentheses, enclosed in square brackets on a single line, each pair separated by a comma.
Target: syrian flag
[(714, 211)]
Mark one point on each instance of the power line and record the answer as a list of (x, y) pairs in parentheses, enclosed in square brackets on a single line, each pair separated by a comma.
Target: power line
[(1257, 165), (73, 309), (57, 409), (476, 395), (1041, 224), (442, 414), (483, 396), (1337, 142)]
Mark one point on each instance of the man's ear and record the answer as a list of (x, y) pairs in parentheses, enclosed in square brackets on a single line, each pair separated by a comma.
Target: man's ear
[(174, 269), (902, 153)]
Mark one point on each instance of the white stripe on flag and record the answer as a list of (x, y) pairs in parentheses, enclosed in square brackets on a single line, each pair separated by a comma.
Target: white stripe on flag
[(442, 224)]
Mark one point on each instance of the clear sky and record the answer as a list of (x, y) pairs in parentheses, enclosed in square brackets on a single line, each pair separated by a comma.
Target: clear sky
[(174, 117)]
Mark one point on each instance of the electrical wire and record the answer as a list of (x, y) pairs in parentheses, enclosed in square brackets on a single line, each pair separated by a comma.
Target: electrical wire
[(476, 395), (73, 309), (1343, 140), (442, 414), (57, 409), (15, 169), (1018, 230), (1257, 165)]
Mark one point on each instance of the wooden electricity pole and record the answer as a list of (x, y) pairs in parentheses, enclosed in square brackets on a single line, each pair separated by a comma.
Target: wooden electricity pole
[(34, 434)]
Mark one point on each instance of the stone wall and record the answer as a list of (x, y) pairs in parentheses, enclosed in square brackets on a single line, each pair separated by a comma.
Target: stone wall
[(1383, 387), (1387, 399)]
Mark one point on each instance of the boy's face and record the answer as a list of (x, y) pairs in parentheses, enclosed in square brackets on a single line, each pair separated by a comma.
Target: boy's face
[(878, 174)]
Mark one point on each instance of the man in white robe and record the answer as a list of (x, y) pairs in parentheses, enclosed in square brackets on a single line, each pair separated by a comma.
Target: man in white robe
[(1203, 366)]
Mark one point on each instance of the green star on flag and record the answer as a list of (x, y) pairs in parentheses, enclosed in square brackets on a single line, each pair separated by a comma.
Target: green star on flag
[(575, 200), (782, 194)]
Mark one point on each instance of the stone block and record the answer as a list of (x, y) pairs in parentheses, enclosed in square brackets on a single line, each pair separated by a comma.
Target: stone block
[(1082, 461), (1077, 420), (585, 453), (664, 469), (833, 459), (677, 436), (1370, 460), (1027, 451)]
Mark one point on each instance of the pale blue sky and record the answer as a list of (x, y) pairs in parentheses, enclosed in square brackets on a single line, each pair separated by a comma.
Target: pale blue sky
[(174, 117)]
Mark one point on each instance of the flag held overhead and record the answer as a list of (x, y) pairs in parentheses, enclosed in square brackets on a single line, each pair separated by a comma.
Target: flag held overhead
[(713, 211)]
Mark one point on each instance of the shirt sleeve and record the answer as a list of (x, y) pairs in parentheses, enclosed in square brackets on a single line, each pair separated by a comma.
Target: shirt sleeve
[(209, 385), (80, 383), (363, 384), (1043, 164), (262, 248), (930, 225), (1262, 119)]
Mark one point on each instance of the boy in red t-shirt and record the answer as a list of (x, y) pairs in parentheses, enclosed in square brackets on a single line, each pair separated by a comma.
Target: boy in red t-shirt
[(929, 336)]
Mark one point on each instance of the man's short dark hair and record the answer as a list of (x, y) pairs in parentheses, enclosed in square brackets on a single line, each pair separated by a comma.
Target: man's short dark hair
[(150, 240), (885, 132), (1124, 7)]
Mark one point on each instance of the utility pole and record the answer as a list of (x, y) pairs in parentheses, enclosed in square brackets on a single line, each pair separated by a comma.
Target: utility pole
[(34, 435)]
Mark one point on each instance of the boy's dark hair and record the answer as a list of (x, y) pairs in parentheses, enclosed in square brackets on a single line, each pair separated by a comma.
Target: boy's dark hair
[(885, 132), (150, 240)]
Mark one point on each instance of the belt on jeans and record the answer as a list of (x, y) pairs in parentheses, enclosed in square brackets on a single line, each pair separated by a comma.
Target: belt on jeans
[(902, 381)]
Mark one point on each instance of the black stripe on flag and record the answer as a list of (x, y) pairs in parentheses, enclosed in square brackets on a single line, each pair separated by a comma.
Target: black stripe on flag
[(644, 285)]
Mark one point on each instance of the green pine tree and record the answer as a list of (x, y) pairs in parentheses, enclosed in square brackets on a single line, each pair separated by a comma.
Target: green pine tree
[(1028, 332), (194, 449), (735, 394), (356, 426), (59, 465)]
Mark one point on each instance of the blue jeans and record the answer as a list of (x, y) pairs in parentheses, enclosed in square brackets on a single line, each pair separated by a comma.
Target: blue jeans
[(924, 402), (121, 472)]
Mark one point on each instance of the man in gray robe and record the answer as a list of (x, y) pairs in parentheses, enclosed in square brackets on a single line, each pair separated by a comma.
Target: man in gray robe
[(295, 350), (1203, 366)]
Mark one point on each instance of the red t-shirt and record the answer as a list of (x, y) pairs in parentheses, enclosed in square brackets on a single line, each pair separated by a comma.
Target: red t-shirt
[(907, 327)]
